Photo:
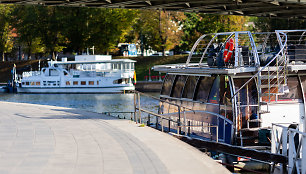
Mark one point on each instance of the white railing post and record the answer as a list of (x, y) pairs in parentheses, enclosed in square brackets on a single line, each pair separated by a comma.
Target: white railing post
[(291, 153), (284, 139), (303, 162), (273, 139)]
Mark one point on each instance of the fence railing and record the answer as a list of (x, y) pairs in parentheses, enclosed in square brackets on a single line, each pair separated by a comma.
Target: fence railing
[(290, 142), (179, 121)]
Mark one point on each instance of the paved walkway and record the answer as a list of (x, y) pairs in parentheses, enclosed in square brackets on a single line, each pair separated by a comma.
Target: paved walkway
[(51, 140)]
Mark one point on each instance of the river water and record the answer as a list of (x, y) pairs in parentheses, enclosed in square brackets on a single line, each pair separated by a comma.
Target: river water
[(91, 102)]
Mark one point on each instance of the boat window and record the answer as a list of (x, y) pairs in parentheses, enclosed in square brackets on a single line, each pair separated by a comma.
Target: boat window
[(167, 85), (67, 82), (75, 82), (53, 72), (97, 82), (22, 83), (27, 83), (32, 83), (37, 83), (295, 91), (214, 94), (132, 66), (83, 82), (225, 98), (118, 81), (91, 83), (65, 73), (203, 88), (189, 87), (178, 86)]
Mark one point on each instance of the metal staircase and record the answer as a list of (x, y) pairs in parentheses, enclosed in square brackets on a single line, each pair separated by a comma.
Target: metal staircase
[(273, 77), (271, 81)]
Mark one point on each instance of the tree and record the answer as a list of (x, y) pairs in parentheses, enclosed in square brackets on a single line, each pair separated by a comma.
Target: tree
[(107, 27), (195, 25), (51, 22), (159, 30), (272, 24), (6, 34), (25, 21)]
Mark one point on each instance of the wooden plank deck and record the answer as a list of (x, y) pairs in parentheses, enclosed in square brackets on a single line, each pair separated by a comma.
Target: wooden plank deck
[(50, 140)]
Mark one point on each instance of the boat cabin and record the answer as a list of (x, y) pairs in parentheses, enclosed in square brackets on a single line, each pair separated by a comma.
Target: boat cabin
[(234, 85)]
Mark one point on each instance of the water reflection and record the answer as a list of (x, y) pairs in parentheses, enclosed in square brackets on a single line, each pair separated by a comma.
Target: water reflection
[(91, 102)]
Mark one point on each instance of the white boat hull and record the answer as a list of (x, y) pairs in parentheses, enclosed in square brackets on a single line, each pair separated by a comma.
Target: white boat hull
[(75, 90)]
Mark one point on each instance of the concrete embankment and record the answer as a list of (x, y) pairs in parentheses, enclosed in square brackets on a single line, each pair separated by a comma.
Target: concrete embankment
[(148, 86), (50, 140)]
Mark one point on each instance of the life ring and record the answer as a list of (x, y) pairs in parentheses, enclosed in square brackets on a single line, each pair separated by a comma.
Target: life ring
[(228, 51)]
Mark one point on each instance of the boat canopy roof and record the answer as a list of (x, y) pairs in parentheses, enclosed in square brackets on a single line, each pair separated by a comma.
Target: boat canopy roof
[(242, 52), (92, 62)]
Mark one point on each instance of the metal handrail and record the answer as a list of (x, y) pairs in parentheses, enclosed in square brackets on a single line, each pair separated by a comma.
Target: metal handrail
[(161, 100), (281, 50), (215, 126)]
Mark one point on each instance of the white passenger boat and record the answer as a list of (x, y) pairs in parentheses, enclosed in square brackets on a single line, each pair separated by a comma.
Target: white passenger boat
[(235, 86), (87, 74)]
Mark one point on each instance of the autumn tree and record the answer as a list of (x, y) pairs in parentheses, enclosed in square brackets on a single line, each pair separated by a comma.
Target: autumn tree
[(195, 25), (159, 30), (6, 35)]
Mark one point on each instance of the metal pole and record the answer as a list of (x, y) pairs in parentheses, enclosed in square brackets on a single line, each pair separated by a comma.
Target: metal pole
[(135, 107), (169, 123), (148, 122), (179, 117), (139, 112), (179, 126), (188, 128), (162, 125), (185, 122)]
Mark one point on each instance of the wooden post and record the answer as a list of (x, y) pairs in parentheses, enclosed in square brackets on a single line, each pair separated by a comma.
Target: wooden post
[(139, 112), (169, 123)]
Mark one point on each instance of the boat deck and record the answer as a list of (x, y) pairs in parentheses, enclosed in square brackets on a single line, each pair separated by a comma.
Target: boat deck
[(205, 69), (49, 139)]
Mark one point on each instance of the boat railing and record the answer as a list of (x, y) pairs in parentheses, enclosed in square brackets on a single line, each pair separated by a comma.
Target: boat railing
[(279, 57), (31, 73), (212, 49), (180, 118), (287, 140)]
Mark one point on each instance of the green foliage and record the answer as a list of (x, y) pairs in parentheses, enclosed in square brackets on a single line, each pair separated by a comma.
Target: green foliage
[(159, 30), (27, 29), (272, 24), (195, 25), (6, 43)]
